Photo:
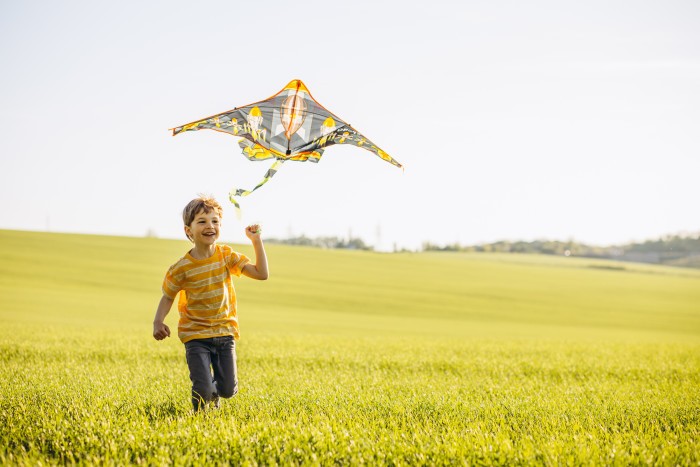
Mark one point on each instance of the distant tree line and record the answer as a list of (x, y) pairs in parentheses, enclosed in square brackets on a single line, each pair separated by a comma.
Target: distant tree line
[(674, 250), (323, 242)]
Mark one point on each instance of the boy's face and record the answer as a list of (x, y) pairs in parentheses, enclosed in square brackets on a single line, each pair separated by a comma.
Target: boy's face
[(204, 229)]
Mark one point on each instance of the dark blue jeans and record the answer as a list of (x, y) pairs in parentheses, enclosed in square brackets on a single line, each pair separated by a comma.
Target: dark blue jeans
[(217, 355)]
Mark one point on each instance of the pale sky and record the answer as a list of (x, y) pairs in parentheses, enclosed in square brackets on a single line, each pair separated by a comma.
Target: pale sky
[(514, 120)]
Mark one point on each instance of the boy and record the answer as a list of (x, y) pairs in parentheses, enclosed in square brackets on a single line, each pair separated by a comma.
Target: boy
[(207, 305)]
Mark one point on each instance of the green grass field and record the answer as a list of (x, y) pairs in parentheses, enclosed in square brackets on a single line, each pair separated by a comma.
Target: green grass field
[(351, 357)]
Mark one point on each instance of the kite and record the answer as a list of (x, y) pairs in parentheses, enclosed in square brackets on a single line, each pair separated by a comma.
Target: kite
[(289, 126)]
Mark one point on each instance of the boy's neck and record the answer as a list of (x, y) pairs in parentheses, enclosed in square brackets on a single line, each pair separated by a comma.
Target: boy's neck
[(203, 251)]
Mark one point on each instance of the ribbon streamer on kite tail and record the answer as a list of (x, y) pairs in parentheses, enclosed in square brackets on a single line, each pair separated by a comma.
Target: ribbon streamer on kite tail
[(243, 192)]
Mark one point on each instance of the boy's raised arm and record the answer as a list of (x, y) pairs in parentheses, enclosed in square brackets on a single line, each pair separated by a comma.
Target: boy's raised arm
[(258, 270), (160, 329)]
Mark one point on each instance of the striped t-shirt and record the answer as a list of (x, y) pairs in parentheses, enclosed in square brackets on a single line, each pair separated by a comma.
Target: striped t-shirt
[(207, 303)]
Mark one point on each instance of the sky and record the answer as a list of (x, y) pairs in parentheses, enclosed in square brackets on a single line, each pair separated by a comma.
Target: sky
[(513, 120)]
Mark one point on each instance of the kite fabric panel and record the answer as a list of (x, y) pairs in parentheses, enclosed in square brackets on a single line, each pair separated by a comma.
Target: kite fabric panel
[(289, 126)]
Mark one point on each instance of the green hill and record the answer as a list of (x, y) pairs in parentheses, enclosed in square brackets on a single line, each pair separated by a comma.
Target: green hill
[(96, 280), (351, 358)]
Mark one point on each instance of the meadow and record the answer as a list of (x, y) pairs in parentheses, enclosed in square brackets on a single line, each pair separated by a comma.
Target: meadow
[(351, 357)]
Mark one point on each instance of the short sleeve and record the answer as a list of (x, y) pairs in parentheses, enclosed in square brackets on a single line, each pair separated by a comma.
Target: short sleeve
[(235, 261), (171, 284)]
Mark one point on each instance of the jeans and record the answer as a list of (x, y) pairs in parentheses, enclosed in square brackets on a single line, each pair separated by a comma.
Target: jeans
[(217, 354)]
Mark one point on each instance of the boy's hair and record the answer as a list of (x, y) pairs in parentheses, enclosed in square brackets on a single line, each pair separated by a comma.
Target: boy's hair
[(202, 203)]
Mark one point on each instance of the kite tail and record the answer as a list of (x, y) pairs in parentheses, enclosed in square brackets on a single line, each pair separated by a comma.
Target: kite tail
[(243, 192)]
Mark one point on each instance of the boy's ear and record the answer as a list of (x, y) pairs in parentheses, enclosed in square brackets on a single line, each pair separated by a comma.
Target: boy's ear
[(188, 232)]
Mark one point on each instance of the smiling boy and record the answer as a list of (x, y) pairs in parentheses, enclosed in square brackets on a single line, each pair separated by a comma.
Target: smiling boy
[(208, 323)]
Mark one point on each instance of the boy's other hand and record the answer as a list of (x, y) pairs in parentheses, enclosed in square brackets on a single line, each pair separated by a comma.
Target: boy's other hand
[(160, 331), (253, 231)]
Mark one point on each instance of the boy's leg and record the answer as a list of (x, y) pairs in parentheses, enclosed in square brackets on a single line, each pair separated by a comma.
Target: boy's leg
[(199, 359), (223, 362)]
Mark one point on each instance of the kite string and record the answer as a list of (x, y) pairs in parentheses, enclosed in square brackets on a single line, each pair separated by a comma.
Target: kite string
[(243, 192)]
